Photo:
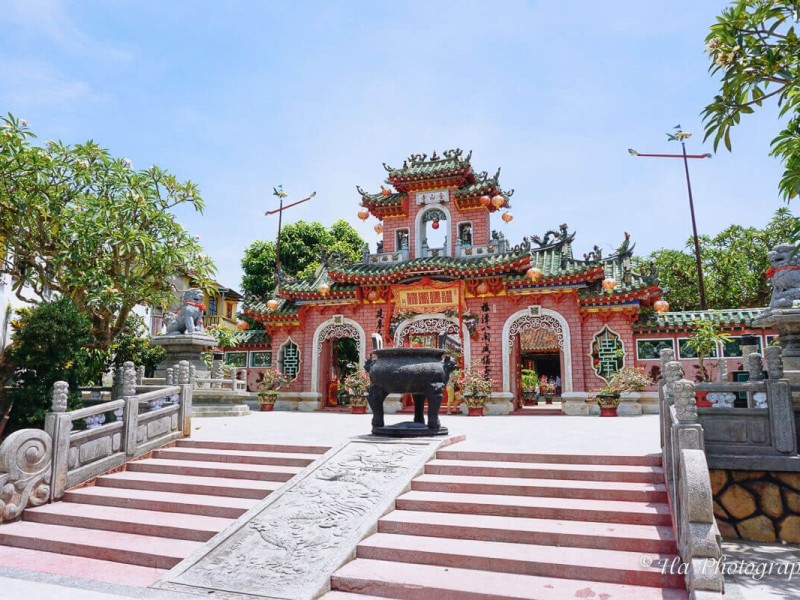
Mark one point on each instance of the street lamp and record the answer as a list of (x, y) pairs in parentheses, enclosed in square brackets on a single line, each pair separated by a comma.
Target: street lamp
[(272, 304), (682, 136)]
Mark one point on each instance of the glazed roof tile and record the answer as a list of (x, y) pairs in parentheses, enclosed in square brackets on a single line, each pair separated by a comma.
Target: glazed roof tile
[(685, 320), (422, 166), (251, 337)]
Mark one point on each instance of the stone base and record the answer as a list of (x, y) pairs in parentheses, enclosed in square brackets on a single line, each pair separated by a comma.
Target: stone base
[(183, 347), (649, 402), (220, 410), (497, 407), (574, 404), (408, 429), (629, 405)]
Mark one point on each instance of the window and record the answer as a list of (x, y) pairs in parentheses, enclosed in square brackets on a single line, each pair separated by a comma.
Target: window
[(260, 360), (685, 351), (400, 239), (212, 306), (607, 353), (651, 349), (229, 310), (289, 359), (236, 359), (465, 233), (733, 349), (772, 340)]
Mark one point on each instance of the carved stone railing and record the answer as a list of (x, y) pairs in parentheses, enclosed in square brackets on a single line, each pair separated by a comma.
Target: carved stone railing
[(761, 435), (38, 466), (386, 258), (215, 380), (688, 483), (481, 250)]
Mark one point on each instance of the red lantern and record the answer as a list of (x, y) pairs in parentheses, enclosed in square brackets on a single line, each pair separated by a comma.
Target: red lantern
[(486, 201), (386, 191), (324, 288), (498, 201), (609, 283), (378, 228), (363, 214), (534, 273), (661, 306), (482, 288), (242, 325), (372, 296), (435, 224), (507, 217), (272, 304)]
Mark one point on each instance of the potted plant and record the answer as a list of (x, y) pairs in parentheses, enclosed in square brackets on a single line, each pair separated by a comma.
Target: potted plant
[(475, 389), (356, 385), (529, 380), (627, 379), (608, 400), (704, 343), (271, 381)]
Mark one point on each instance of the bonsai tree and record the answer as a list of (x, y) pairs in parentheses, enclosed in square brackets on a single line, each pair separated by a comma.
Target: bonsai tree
[(629, 379), (271, 381), (356, 385), (704, 343), (475, 387)]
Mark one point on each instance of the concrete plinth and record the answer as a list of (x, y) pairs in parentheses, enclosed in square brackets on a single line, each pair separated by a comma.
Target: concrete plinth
[(649, 402), (787, 322), (629, 404), (575, 404), (189, 347)]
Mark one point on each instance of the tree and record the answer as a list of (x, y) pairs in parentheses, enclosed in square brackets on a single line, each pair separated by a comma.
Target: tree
[(734, 263), (755, 48), (301, 246), (82, 223)]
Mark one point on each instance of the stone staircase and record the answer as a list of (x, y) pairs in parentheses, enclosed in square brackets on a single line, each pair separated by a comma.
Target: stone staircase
[(130, 526), (501, 525)]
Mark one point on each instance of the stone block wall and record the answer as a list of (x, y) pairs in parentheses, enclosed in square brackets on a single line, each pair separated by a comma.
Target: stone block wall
[(762, 506)]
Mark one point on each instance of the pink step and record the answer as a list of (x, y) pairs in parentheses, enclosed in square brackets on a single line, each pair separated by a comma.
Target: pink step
[(610, 566), (293, 459), (252, 447), (181, 526), (642, 460), (334, 595), (171, 502), (167, 482), (78, 566), (586, 490), (544, 532), (141, 550), (214, 469), (478, 468), (427, 582), (535, 507)]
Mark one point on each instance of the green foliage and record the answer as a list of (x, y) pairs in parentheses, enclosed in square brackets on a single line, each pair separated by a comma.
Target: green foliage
[(83, 223), (49, 345), (134, 345), (301, 246), (734, 266), (755, 49), (529, 380), (272, 380), (704, 342), (628, 379)]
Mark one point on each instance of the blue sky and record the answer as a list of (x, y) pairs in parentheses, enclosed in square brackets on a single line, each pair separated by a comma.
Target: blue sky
[(240, 96)]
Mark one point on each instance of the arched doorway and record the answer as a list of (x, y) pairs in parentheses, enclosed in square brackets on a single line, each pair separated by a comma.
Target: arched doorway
[(536, 337), (431, 232), (339, 346)]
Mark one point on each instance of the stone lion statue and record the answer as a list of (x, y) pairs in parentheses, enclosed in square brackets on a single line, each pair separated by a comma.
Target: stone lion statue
[(785, 275), (189, 319)]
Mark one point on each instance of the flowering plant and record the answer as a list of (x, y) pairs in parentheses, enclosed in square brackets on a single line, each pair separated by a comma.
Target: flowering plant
[(273, 380), (627, 379), (475, 385), (356, 385)]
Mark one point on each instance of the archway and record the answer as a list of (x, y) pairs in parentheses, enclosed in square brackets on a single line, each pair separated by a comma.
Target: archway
[(431, 231), (534, 319), (433, 325), (335, 328)]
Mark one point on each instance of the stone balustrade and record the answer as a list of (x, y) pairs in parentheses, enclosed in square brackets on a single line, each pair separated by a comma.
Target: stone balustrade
[(38, 466)]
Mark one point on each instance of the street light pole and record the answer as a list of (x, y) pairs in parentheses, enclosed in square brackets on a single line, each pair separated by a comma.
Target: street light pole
[(273, 303), (682, 136)]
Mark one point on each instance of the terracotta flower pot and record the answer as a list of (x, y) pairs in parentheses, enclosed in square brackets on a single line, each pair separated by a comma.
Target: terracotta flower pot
[(264, 407), (608, 411), (474, 411), (358, 410)]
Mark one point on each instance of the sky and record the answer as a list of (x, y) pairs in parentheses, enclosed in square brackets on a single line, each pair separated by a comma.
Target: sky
[(241, 96)]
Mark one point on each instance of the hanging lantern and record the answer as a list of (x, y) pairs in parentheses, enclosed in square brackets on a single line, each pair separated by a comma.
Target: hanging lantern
[(609, 283), (272, 304), (378, 228), (435, 224), (498, 201), (534, 273), (482, 288), (372, 296), (486, 201), (242, 325), (386, 191), (363, 214), (661, 306), (324, 288), (507, 217)]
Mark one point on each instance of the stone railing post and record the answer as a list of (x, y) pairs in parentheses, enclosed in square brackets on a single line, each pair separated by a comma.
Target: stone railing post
[(169, 377), (58, 424), (140, 375), (116, 393), (185, 412), (131, 413), (25, 471), (216, 372), (686, 432), (779, 404), (699, 540), (128, 379)]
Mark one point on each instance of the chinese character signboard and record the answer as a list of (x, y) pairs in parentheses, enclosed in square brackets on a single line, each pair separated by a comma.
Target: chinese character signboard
[(433, 197), (429, 297)]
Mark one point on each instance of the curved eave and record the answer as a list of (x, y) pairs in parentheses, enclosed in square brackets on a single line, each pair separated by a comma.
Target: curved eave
[(453, 271), (585, 276), (627, 296), (412, 183)]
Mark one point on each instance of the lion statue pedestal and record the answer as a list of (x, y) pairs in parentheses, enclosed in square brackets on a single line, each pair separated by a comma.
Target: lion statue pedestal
[(184, 338)]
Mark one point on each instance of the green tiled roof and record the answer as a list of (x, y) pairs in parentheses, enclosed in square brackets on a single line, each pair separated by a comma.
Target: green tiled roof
[(285, 308), (448, 265), (684, 320), (420, 165), (251, 337), (380, 199)]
